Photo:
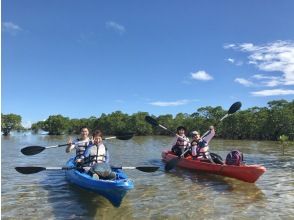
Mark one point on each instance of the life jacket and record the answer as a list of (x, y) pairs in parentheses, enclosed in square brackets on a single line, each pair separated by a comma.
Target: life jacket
[(81, 148), (202, 146), (199, 148), (181, 141), (99, 157)]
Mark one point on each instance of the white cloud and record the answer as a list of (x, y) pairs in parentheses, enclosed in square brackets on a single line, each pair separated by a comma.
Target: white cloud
[(229, 46), (231, 60), (273, 92), (277, 56), (260, 76), (236, 62), (173, 103), (269, 81), (10, 28), (201, 75), (244, 82), (247, 47), (116, 27)]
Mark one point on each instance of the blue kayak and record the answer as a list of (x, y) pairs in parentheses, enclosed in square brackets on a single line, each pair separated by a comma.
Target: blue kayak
[(113, 190)]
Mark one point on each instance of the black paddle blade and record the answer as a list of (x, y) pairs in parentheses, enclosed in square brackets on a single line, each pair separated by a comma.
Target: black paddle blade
[(124, 136), (29, 170), (32, 150), (147, 169), (151, 121), (171, 164), (235, 107)]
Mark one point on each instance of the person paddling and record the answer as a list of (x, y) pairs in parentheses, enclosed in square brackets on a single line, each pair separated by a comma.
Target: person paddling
[(79, 144), (181, 142), (199, 145), (96, 160)]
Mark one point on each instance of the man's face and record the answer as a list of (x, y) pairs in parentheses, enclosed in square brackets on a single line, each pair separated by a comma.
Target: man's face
[(85, 132)]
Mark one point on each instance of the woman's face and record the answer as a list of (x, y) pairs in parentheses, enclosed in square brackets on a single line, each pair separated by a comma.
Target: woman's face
[(97, 140), (181, 132), (196, 137)]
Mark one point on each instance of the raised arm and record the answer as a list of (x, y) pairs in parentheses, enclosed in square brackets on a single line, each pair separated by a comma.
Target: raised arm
[(208, 135)]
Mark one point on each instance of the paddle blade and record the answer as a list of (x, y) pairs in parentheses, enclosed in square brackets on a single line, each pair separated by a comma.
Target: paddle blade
[(32, 150), (235, 107), (151, 121), (147, 169), (29, 170), (171, 164), (125, 136)]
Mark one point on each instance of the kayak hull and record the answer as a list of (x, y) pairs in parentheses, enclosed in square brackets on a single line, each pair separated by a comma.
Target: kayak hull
[(113, 190), (247, 173)]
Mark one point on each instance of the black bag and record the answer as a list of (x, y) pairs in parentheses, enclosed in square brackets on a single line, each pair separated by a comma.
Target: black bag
[(235, 157)]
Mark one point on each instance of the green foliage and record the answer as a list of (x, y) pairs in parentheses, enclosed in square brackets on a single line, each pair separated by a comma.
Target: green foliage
[(10, 122), (113, 123), (283, 138), (137, 124), (40, 125), (56, 124), (259, 123)]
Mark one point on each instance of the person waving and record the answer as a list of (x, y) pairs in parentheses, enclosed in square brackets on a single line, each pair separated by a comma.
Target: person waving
[(79, 144), (199, 145)]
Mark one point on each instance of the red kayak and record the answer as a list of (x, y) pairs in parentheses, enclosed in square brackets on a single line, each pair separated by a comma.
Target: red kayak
[(247, 173)]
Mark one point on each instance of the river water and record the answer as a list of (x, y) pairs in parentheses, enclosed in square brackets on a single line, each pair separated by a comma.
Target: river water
[(179, 194)]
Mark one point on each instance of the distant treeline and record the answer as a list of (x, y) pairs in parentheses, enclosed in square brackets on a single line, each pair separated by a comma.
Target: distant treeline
[(259, 123)]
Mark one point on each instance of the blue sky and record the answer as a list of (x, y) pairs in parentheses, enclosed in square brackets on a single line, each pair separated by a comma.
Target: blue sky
[(83, 58)]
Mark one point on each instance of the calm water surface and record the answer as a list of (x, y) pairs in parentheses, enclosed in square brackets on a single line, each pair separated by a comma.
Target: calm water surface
[(180, 194)]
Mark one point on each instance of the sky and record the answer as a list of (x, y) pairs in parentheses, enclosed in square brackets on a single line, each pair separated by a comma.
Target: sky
[(84, 58)]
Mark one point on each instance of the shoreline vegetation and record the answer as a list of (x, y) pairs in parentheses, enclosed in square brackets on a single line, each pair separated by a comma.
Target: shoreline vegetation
[(256, 123)]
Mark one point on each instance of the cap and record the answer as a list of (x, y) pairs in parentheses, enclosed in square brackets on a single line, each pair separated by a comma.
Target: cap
[(195, 132)]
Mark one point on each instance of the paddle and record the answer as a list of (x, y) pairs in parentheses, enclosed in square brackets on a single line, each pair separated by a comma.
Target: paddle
[(31, 170), (32, 150), (173, 162), (155, 123), (235, 107), (147, 169)]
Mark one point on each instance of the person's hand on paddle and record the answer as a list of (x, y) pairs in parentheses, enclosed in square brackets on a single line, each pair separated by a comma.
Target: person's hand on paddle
[(69, 145), (79, 160), (69, 141)]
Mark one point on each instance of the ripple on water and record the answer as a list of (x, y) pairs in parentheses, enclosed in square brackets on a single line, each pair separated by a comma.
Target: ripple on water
[(179, 194)]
